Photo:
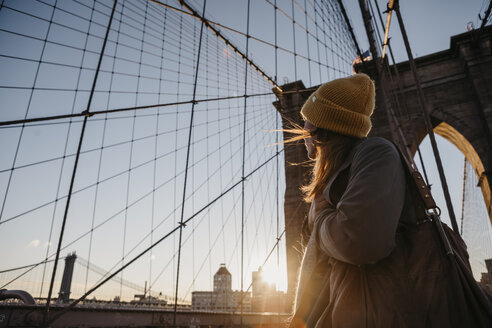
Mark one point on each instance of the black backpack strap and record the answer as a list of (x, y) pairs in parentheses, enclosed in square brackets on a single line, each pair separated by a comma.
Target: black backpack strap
[(423, 199), (418, 182)]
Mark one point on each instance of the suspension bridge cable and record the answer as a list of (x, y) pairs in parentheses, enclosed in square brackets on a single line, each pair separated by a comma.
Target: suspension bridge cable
[(316, 27), (60, 240), (296, 23), (156, 143), (186, 166), (270, 252), (400, 88), (326, 18), (227, 42), (112, 177), (181, 224), (463, 196), (275, 39), (397, 108), (125, 109), (101, 155), (98, 226), (192, 156), (241, 300), (277, 179), (62, 164), (255, 38), (223, 226), (427, 121), (130, 155), (143, 64), (244, 159), (294, 39), (121, 58), (307, 41), (347, 21), (27, 111), (178, 90), (252, 37), (100, 271), (144, 238), (296, 210), (324, 37), (255, 193), (30, 268), (256, 216), (23, 267)]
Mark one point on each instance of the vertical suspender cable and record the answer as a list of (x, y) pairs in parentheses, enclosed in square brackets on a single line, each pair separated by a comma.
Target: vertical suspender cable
[(322, 15), (178, 90), (427, 120), (375, 55), (62, 165), (294, 40), (84, 124), (14, 161), (463, 197), (276, 45), (395, 129), (156, 152), (345, 16), (190, 131), (128, 181), (244, 161), (307, 43), (277, 164), (98, 169), (317, 41), (398, 79), (387, 90)]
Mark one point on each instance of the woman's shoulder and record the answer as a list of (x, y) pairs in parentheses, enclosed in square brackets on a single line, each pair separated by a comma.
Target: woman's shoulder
[(376, 145), (377, 142), (375, 150)]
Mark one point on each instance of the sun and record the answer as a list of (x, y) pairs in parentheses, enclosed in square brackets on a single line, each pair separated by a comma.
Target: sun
[(275, 277)]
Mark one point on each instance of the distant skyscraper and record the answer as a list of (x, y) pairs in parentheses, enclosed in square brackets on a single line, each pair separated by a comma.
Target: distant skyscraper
[(222, 279)]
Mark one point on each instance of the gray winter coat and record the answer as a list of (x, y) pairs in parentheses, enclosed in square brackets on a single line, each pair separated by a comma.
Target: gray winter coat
[(371, 263), (357, 228)]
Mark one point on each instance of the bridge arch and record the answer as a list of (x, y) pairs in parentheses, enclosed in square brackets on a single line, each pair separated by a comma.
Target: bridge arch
[(451, 132)]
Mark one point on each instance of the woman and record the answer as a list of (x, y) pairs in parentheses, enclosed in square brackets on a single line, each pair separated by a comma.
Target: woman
[(354, 271)]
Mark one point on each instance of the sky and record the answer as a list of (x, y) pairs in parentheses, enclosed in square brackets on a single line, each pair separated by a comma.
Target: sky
[(131, 175), (429, 24)]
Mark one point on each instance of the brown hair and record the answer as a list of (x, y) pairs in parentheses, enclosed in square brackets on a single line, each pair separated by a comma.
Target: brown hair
[(331, 150)]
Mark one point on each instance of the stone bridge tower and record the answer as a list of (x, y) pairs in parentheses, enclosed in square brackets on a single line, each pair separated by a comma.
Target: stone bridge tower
[(457, 84)]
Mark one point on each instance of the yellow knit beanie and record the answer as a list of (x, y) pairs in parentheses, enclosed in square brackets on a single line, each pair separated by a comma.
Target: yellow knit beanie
[(344, 106)]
